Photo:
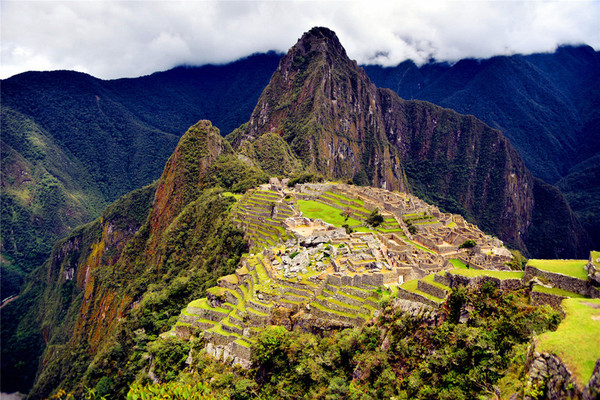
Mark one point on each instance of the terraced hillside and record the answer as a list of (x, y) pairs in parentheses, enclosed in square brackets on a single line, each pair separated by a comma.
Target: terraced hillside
[(320, 261), (262, 214), (254, 297)]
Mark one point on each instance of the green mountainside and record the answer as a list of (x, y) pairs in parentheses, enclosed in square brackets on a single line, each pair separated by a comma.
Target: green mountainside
[(102, 309), (46, 192), (72, 143), (546, 104)]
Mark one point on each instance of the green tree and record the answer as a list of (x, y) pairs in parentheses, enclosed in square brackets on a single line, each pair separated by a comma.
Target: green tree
[(469, 246)]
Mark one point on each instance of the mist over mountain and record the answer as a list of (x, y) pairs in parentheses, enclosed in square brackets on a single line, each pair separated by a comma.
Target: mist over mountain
[(97, 307)]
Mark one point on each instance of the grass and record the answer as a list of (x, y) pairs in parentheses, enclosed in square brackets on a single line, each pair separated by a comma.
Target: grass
[(234, 195), (595, 255), (411, 286), (429, 279), (331, 215), (493, 274), (458, 264), (572, 268), (577, 339), (557, 292)]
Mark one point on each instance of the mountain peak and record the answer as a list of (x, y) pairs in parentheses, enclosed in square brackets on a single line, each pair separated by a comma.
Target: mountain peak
[(318, 40)]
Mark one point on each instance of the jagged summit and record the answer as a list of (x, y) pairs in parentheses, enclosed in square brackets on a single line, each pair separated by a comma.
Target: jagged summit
[(319, 39)]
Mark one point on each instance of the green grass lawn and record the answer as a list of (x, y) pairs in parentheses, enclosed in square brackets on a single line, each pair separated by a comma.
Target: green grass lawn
[(577, 339), (557, 291), (572, 268), (411, 286), (458, 264), (331, 215), (494, 274)]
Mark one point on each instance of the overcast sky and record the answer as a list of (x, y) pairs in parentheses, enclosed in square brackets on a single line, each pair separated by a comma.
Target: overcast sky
[(113, 39)]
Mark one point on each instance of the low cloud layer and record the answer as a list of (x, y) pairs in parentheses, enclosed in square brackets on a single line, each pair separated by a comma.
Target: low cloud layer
[(113, 39)]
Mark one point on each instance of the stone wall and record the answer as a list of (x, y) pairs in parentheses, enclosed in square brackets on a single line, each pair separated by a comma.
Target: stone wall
[(503, 284), (591, 391), (406, 295), (553, 300), (563, 282), (431, 289), (549, 372)]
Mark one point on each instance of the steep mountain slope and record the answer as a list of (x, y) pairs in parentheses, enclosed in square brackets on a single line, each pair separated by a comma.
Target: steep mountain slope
[(45, 193), (84, 142), (340, 125), (546, 104), (116, 283), (541, 102)]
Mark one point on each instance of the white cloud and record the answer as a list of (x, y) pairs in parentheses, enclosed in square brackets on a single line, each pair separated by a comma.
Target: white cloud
[(112, 39)]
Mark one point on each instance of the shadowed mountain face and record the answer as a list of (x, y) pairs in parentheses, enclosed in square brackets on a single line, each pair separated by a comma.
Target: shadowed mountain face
[(548, 105), (339, 124)]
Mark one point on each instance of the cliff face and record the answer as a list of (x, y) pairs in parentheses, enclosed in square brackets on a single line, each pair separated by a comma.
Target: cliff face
[(340, 125), (326, 109)]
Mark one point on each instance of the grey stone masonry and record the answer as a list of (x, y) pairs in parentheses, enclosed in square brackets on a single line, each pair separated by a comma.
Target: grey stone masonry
[(431, 289), (564, 282), (591, 391), (549, 371), (553, 300), (406, 295)]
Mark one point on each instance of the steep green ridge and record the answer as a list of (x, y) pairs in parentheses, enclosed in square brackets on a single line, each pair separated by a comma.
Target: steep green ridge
[(90, 141), (118, 282), (546, 104), (46, 192), (341, 126)]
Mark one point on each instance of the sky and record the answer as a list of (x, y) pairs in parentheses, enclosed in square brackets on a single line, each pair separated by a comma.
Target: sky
[(114, 39)]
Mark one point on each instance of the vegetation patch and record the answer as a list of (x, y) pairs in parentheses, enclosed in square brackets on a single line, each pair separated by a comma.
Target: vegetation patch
[(576, 341), (574, 268), (557, 292), (493, 274)]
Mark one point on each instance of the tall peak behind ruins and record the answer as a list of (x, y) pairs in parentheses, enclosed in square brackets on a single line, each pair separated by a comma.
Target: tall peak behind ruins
[(320, 112)]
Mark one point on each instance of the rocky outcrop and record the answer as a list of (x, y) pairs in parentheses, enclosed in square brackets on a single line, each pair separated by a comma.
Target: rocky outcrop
[(548, 373)]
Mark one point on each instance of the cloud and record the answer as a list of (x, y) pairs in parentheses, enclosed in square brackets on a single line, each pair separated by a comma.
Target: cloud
[(112, 39)]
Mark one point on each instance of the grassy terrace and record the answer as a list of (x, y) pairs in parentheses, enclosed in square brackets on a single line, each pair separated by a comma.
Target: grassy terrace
[(494, 274), (572, 268), (557, 292), (331, 215), (458, 264), (318, 306), (576, 341), (429, 279), (411, 286), (203, 303)]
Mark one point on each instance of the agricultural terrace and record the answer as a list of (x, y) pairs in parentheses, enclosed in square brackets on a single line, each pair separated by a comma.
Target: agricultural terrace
[(314, 209), (577, 339), (574, 268)]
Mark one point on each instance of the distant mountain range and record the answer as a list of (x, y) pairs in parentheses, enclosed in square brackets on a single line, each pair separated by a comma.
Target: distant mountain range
[(72, 143), (118, 282)]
